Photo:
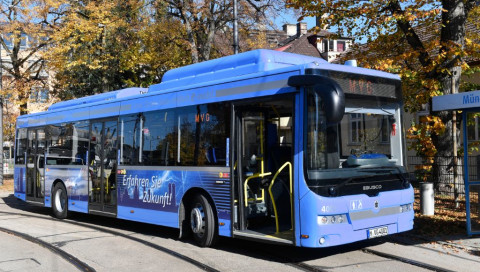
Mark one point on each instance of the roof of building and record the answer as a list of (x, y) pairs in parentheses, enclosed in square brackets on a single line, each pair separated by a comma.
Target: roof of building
[(305, 44)]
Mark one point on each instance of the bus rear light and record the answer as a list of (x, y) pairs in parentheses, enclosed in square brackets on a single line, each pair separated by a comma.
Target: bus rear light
[(322, 240), (332, 219)]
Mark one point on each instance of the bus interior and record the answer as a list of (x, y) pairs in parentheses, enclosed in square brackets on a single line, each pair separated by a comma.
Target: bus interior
[(263, 155)]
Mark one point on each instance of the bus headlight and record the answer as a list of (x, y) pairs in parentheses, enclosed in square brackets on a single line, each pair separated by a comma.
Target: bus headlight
[(406, 207), (331, 219)]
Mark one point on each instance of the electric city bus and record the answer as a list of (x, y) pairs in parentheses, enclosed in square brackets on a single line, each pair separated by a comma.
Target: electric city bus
[(263, 145)]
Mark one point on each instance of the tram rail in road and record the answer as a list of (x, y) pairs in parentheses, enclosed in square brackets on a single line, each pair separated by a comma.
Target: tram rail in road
[(84, 267), (65, 255), (316, 263)]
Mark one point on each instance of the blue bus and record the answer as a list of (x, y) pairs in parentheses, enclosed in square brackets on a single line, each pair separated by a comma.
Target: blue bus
[(263, 145)]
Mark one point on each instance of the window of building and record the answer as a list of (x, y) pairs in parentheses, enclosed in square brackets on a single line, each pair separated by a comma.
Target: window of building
[(341, 46), (331, 45), (39, 95), (8, 39), (385, 129), (23, 40), (472, 126), (355, 128)]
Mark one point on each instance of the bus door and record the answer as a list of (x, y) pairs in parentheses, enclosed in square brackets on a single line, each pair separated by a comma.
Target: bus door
[(103, 167), (35, 165), (263, 170)]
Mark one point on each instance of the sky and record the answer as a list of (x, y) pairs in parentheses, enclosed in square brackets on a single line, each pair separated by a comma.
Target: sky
[(290, 18)]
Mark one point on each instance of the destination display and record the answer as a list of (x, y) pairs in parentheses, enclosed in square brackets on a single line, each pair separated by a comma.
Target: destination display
[(364, 85)]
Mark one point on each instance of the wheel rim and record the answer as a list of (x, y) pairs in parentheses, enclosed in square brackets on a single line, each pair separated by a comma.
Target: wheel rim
[(197, 220), (59, 200)]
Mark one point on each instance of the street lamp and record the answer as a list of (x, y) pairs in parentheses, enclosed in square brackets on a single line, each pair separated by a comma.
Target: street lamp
[(235, 28)]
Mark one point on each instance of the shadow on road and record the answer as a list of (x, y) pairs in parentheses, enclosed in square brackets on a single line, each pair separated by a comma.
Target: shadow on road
[(269, 252)]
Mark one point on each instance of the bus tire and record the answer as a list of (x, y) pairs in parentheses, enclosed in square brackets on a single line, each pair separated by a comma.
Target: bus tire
[(59, 201), (202, 221)]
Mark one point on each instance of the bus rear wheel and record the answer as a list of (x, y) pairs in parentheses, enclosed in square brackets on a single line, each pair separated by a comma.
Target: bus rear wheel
[(202, 222), (59, 201)]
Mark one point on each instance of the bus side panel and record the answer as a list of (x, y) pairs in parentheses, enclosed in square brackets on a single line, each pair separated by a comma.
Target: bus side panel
[(75, 179), (19, 181), (154, 196)]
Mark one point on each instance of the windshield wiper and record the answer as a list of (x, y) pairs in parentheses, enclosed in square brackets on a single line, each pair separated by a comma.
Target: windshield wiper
[(333, 190)]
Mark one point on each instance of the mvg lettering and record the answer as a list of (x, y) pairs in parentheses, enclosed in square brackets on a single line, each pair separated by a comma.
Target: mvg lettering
[(202, 117), (360, 86)]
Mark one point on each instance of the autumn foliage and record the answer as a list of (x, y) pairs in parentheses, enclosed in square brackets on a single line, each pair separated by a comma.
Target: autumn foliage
[(424, 41)]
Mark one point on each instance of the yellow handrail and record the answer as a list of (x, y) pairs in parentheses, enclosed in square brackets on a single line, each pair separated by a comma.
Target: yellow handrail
[(289, 164)]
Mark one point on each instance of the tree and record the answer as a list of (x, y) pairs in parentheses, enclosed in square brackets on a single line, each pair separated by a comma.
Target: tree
[(25, 27), (84, 56), (108, 45), (204, 21), (424, 41)]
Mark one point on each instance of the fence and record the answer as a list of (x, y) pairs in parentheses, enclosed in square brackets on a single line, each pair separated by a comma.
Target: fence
[(8, 166), (445, 184)]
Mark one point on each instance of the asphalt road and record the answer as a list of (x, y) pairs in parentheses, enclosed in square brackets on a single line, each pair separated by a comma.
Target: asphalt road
[(105, 244)]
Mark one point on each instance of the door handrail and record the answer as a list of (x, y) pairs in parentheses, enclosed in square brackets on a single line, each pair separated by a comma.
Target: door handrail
[(289, 164)]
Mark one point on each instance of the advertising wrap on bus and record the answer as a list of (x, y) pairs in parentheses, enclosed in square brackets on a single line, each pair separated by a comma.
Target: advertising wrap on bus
[(162, 190), (263, 145)]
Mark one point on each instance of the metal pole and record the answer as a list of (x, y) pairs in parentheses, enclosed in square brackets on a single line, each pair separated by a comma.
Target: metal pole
[(455, 153), (1, 118), (235, 28)]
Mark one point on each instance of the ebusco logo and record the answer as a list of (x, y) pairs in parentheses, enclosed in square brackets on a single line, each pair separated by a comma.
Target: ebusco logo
[(372, 187)]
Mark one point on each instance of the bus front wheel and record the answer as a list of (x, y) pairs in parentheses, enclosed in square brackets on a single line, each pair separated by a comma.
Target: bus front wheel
[(202, 221), (59, 201)]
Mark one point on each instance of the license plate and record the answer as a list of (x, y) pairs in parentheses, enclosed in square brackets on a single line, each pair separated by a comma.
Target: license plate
[(377, 232)]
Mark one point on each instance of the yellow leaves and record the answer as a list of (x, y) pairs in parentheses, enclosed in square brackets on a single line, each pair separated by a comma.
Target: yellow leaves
[(420, 136)]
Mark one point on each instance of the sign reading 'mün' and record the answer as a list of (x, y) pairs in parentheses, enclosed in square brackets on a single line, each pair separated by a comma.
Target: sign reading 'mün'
[(456, 101)]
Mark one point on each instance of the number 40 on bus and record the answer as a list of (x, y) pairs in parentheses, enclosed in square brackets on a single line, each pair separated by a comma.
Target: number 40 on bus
[(263, 145)]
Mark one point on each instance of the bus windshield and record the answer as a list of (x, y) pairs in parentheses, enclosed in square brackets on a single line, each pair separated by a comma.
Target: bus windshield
[(358, 149)]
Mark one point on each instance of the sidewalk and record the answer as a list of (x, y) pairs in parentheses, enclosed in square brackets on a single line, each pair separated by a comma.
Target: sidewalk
[(463, 242)]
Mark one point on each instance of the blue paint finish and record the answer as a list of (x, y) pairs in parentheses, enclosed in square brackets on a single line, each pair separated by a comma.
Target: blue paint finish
[(153, 196), (104, 110), (47, 202), (224, 218), (168, 219), (21, 196), (247, 63), (75, 179), (465, 174), (298, 164), (77, 205), (335, 234), (128, 92), (148, 103), (19, 180), (226, 229)]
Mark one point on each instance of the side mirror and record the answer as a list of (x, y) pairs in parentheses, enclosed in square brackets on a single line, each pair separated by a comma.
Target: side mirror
[(332, 94)]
